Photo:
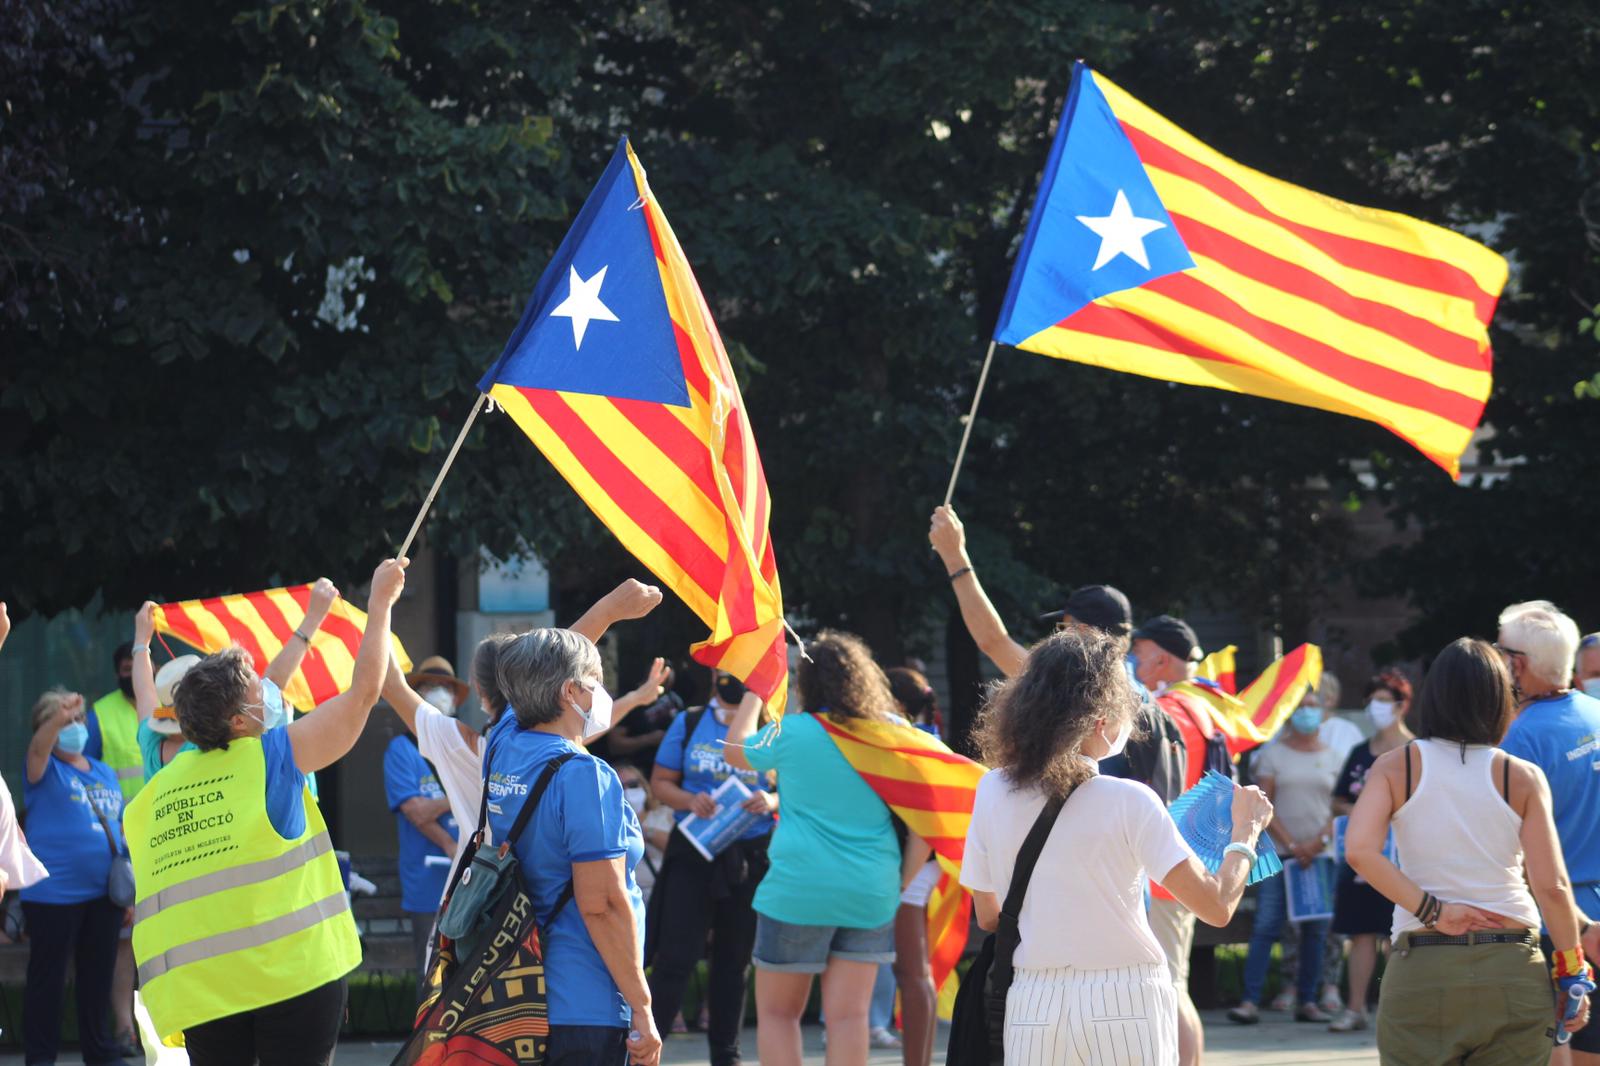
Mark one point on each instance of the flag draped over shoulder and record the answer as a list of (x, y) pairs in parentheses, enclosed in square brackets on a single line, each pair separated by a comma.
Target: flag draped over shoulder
[(617, 373), (1152, 253), (931, 789), (1250, 719), (262, 622), (1219, 667)]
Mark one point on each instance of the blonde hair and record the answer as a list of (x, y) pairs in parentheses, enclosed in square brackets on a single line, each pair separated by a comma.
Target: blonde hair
[(48, 703)]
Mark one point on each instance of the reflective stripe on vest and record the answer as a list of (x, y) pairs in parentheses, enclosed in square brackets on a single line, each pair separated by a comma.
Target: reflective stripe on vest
[(253, 936), (234, 877)]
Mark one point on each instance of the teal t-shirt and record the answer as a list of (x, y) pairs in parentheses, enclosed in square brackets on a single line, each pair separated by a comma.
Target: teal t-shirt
[(835, 859), (150, 748)]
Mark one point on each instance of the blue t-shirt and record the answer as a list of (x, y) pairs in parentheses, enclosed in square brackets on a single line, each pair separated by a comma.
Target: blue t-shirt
[(67, 835), (1562, 737), (407, 775), (835, 859), (150, 747), (286, 785), (583, 817), (701, 760)]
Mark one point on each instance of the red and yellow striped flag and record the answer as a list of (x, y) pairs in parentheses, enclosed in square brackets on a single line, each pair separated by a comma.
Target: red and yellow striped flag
[(262, 622), (617, 373), (931, 789), (1152, 253), (1219, 667), (1254, 715)]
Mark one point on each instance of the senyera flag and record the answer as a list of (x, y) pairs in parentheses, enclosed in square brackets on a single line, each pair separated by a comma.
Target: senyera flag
[(262, 622), (1152, 253), (1250, 719), (617, 373), (931, 789), (1219, 667)]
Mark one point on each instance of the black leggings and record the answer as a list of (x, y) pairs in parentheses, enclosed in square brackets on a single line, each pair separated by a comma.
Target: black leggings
[(696, 897), (86, 935), (294, 1032)]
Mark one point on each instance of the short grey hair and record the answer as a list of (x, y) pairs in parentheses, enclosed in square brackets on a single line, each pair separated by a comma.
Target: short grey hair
[(1327, 692), (1546, 635), (534, 666)]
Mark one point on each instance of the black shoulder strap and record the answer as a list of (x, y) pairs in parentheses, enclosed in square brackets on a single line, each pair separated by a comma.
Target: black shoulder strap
[(1007, 934), (1505, 777), (1409, 743), (534, 795), (691, 722)]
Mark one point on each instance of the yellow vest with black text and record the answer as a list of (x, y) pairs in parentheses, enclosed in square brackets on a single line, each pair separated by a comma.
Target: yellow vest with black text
[(230, 916), (119, 740)]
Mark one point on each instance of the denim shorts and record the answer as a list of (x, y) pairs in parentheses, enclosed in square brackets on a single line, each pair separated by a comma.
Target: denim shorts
[(790, 948)]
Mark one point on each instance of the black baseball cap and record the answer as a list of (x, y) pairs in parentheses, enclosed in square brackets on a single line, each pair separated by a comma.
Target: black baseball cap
[(1100, 606), (1171, 635)]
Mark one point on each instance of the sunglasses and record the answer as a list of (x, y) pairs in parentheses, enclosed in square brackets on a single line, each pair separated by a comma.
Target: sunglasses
[(1509, 653)]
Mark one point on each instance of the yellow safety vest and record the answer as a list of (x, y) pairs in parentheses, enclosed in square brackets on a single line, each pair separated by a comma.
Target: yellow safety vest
[(230, 916), (119, 740)]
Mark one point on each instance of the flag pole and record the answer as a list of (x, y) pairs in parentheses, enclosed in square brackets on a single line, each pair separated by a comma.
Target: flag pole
[(448, 460), (966, 433)]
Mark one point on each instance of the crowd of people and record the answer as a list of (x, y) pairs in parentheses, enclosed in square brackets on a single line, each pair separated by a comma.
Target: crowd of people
[(172, 842)]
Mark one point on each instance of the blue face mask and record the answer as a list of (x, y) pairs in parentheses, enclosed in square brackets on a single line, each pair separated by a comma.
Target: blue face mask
[(73, 738), (1306, 720)]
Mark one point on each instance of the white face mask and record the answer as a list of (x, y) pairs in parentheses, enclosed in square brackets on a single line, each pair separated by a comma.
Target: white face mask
[(635, 798), (1591, 685), (1120, 741), (442, 698), (1381, 712), (597, 719)]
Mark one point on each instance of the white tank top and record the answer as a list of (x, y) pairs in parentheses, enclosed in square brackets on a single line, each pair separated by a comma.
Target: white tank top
[(1457, 837)]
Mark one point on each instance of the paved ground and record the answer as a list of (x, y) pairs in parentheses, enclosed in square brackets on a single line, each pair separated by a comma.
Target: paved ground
[(1277, 1041)]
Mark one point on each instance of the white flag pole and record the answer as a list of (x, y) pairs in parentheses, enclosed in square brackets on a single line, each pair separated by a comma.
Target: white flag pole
[(448, 460), (966, 432)]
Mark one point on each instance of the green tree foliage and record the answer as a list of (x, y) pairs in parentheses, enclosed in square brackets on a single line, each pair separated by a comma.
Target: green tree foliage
[(329, 214)]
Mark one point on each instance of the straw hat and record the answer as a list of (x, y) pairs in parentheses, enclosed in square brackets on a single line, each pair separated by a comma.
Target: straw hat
[(434, 671), (165, 719)]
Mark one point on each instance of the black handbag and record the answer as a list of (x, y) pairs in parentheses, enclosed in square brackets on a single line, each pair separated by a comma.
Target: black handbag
[(978, 1019)]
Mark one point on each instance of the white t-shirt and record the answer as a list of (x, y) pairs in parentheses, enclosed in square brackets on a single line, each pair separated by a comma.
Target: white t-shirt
[(1340, 734), (1085, 903), (460, 766)]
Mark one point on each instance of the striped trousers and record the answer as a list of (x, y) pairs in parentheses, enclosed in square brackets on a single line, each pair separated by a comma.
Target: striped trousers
[(1127, 1016)]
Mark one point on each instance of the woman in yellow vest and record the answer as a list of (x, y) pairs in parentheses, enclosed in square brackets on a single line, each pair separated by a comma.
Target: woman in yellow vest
[(242, 930)]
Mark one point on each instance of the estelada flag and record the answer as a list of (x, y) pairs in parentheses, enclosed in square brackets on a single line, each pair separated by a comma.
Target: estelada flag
[(262, 622), (617, 373), (1254, 715), (931, 789), (1152, 253)]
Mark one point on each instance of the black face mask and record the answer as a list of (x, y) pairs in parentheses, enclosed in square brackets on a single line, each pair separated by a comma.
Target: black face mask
[(730, 690), (126, 685)]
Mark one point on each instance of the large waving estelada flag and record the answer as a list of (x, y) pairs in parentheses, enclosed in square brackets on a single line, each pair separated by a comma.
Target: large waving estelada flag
[(1152, 253), (616, 371), (1250, 719), (930, 788), (262, 622)]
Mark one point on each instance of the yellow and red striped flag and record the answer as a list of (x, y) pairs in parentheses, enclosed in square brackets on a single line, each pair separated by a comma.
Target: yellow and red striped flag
[(262, 622), (1219, 667), (1254, 715), (617, 373), (931, 789), (1151, 253)]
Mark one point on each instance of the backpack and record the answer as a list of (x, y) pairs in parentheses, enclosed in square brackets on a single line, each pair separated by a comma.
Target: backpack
[(486, 998), (1160, 757), (978, 1019)]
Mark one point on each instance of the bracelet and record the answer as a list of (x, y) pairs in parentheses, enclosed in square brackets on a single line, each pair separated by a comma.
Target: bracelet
[(137, 648), (961, 573), (1428, 909), (302, 636), (1567, 963), (1237, 848)]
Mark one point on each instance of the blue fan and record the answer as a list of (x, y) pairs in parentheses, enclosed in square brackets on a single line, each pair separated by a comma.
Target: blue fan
[(1205, 820)]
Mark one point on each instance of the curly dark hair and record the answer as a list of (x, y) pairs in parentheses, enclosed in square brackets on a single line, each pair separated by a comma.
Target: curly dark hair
[(839, 676), (210, 694), (1035, 724)]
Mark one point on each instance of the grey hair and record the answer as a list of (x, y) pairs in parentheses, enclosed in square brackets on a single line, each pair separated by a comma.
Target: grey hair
[(534, 666), (1547, 636), (1329, 690)]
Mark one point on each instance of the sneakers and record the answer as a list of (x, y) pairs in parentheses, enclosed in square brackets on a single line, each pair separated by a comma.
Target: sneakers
[(1349, 1022), (1331, 1001), (1284, 1000), (1310, 1012), (881, 1037), (1245, 1014)]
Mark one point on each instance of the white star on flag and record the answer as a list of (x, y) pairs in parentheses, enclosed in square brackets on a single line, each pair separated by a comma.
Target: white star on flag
[(583, 305), (1121, 233)]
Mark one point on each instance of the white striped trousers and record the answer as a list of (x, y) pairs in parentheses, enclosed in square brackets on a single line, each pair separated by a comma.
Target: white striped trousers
[(1127, 1016)]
